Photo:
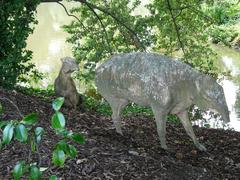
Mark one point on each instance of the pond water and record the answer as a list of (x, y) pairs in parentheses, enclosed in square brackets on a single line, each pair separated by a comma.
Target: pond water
[(231, 86), (48, 46), (48, 42)]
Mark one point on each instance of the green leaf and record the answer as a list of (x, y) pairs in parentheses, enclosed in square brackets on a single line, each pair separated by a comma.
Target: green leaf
[(35, 173), (18, 170), (30, 119), (58, 120), (38, 134), (61, 145), (67, 148), (33, 144), (21, 133), (57, 103), (39, 131), (3, 123), (53, 177), (59, 157), (62, 132), (78, 138), (1, 108), (8, 133), (72, 151)]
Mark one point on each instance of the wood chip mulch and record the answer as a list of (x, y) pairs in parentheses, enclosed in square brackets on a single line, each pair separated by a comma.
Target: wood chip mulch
[(136, 155)]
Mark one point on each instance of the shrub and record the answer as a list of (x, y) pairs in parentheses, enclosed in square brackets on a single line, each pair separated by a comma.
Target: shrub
[(222, 34), (17, 19), (26, 131)]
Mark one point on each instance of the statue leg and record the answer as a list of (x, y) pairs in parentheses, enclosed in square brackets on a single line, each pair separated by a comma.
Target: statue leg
[(188, 127), (117, 105), (160, 119)]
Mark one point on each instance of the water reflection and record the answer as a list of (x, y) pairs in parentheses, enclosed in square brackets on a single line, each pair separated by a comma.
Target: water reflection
[(48, 42), (231, 86), (229, 64), (230, 90)]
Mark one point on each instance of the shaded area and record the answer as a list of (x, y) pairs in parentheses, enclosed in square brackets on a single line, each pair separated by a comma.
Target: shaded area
[(136, 155)]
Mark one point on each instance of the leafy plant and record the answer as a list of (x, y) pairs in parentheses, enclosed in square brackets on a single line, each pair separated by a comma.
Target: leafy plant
[(26, 131), (63, 150), (43, 93), (102, 107), (223, 34), (100, 32), (1, 109), (224, 12), (17, 19)]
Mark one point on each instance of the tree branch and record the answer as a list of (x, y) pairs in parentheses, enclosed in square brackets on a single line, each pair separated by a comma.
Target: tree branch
[(84, 27), (103, 27), (203, 15), (175, 26), (116, 19), (71, 15), (93, 6)]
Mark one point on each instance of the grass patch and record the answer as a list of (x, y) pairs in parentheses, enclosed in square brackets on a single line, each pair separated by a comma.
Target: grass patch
[(91, 104), (38, 92), (103, 108)]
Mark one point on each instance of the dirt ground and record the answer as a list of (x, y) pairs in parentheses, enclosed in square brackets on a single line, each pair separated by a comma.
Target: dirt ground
[(136, 155)]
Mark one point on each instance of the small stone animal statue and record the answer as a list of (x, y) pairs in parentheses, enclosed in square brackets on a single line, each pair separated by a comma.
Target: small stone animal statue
[(64, 85), (164, 84)]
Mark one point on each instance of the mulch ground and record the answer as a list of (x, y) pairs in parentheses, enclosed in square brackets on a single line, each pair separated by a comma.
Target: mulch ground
[(136, 155)]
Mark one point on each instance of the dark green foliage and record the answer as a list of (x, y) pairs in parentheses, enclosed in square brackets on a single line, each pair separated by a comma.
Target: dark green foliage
[(77, 138), (53, 177), (224, 11), (57, 103), (63, 150), (96, 41), (21, 133), (32, 135), (103, 108), (59, 157), (38, 134), (35, 173), (1, 109), (223, 34), (43, 93), (58, 121), (17, 20), (30, 119), (226, 14), (7, 133), (18, 170), (182, 25)]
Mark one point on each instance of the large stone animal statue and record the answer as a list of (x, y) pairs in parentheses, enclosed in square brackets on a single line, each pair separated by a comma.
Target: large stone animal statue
[(64, 85), (164, 84)]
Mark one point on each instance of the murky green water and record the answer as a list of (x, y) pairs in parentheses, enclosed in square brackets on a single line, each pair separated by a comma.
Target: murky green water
[(48, 46), (48, 40), (231, 85)]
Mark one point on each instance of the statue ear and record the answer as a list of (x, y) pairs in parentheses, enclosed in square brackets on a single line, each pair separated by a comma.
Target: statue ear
[(62, 59), (65, 68)]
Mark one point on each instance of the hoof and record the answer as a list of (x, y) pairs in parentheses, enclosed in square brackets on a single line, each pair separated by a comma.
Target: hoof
[(119, 131), (201, 147), (164, 147)]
